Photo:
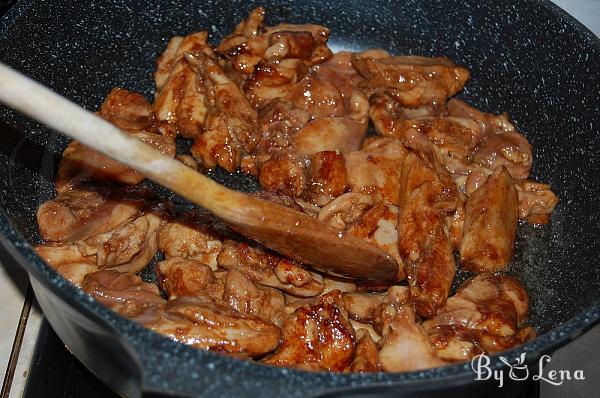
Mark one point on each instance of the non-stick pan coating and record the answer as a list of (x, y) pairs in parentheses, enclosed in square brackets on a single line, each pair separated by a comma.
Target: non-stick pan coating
[(527, 58)]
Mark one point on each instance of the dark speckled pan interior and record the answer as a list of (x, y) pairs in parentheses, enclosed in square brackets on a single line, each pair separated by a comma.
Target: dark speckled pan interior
[(527, 58)]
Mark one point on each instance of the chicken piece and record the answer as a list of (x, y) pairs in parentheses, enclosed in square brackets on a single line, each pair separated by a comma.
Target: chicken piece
[(363, 307), (343, 134), (131, 247), (366, 355), (75, 272), (180, 104), (270, 270), (231, 129), (379, 225), (490, 224), (180, 277), (455, 343), (345, 210), (375, 169), (411, 80), (320, 97), (317, 337), (511, 150), (128, 111), (284, 174), (426, 203), (210, 324), (338, 283), (56, 255), (124, 293), (274, 80), (488, 310), (536, 201), (490, 124), (249, 44), (405, 346), (85, 212), (326, 177), (252, 299), (189, 239)]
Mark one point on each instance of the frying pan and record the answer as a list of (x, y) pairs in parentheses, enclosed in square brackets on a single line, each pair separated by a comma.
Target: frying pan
[(529, 59)]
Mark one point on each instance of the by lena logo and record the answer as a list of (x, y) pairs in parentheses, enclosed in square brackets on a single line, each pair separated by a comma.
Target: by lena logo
[(519, 371)]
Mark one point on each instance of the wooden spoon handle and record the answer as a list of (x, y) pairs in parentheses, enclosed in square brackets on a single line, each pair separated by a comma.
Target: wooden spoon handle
[(42, 104)]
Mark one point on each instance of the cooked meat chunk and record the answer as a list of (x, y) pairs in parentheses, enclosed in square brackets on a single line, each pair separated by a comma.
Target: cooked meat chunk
[(490, 124), (317, 337), (510, 150), (376, 168), (124, 293), (343, 134), (345, 210), (490, 224), (75, 272), (85, 212), (284, 174), (366, 355), (180, 104), (250, 298), (326, 177), (57, 254), (180, 277), (190, 240), (411, 80), (536, 201), (207, 323), (270, 270), (128, 111)]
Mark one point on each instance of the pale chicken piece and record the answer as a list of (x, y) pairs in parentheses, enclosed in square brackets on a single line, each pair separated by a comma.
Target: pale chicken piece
[(413, 81), (231, 129), (338, 283), (454, 343), (326, 177), (405, 346), (180, 104), (536, 201), (489, 311), (511, 150), (490, 224), (128, 111), (366, 354), (210, 324), (343, 134), (345, 209), (190, 239), (75, 272), (124, 293), (250, 298), (56, 254), (249, 44), (428, 197), (131, 247), (379, 225), (86, 212), (180, 277), (81, 163), (375, 169), (316, 337), (270, 270), (372, 308)]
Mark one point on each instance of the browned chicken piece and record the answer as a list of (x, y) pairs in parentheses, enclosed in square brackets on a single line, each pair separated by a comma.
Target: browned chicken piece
[(490, 124), (124, 293), (375, 169), (366, 354), (128, 111), (426, 203), (363, 307), (345, 210), (379, 225), (231, 129), (131, 247), (405, 346), (180, 104), (511, 150), (85, 212), (75, 272), (490, 224), (180, 277), (270, 270), (316, 337), (413, 81), (486, 313), (284, 174), (326, 177), (56, 255), (210, 324), (252, 299), (249, 44), (190, 240), (536, 201), (320, 97), (274, 80)]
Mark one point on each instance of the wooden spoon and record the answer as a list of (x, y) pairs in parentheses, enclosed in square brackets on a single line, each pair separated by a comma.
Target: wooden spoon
[(293, 234)]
